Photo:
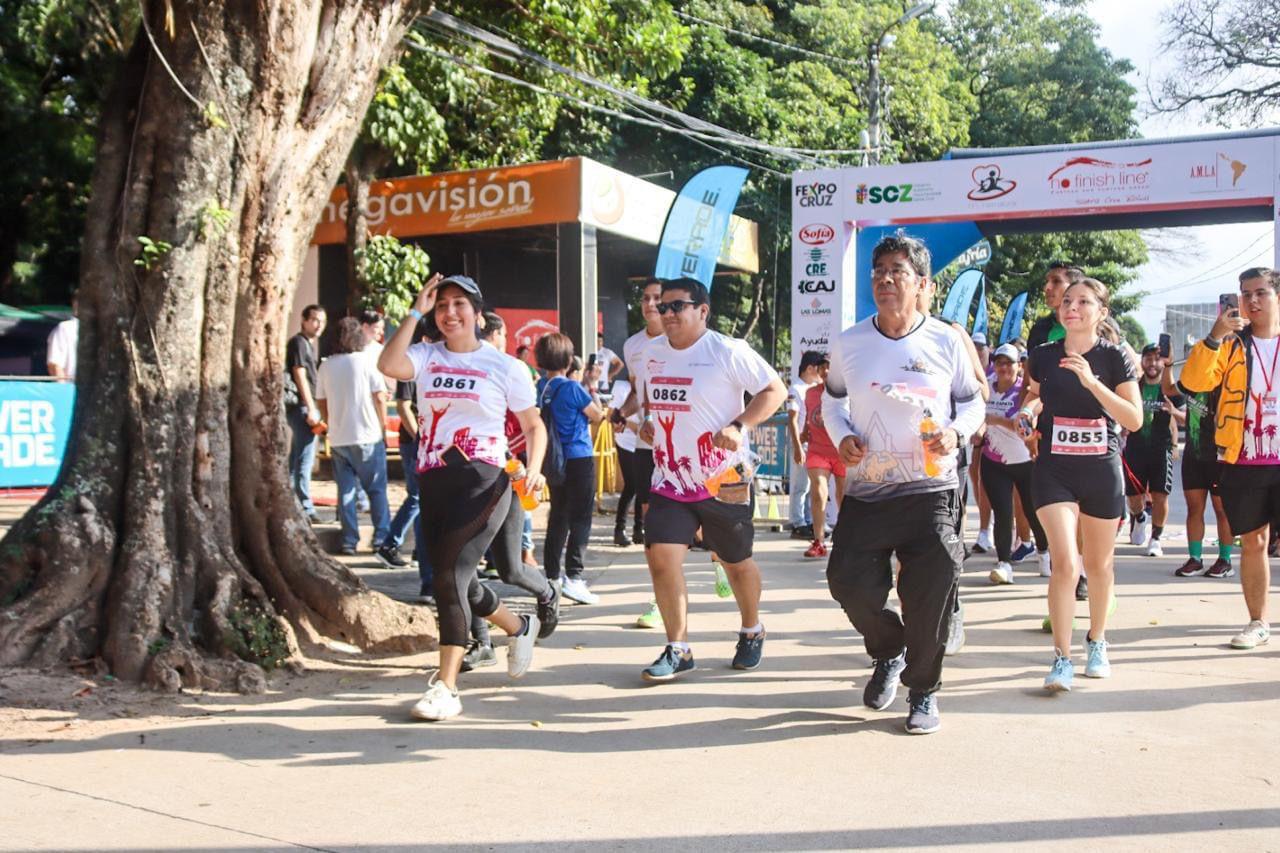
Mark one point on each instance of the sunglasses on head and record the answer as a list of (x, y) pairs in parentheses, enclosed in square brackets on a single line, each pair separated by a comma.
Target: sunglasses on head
[(675, 306)]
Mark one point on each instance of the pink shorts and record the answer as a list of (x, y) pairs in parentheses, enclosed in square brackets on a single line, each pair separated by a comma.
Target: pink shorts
[(824, 462)]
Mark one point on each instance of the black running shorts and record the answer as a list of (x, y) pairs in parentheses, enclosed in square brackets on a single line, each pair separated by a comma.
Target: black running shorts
[(1200, 475), (727, 529), (1094, 484), (1250, 496), (1147, 469)]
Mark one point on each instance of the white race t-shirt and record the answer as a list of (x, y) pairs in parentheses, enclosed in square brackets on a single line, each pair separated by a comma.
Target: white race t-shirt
[(62, 346), (463, 399), (1262, 410), (879, 388), (625, 439), (795, 402), (694, 393), (604, 358), (348, 382), (631, 352), (1003, 444)]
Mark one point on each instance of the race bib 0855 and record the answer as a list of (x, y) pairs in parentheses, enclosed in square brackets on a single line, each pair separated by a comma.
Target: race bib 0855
[(1079, 436)]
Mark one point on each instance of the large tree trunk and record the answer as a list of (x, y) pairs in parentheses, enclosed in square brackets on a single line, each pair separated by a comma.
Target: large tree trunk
[(171, 545), (363, 164)]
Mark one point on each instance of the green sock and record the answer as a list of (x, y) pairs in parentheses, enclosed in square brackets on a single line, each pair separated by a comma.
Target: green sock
[(1196, 549), (1224, 551)]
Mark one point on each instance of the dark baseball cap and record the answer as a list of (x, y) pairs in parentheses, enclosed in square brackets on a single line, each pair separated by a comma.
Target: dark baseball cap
[(812, 358), (1150, 348), (464, 282)]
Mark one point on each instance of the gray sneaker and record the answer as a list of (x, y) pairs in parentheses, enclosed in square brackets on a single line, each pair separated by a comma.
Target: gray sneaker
[(883, 684), (923, 718)]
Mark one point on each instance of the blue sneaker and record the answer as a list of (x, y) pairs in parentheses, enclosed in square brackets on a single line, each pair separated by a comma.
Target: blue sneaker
[(1026, 549), (750, 648), (1098, 665), (668, 665), (883, 685), (1059, 678)]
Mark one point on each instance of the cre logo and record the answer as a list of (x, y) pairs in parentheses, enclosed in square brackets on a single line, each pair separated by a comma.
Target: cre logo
[(818, 285), (817, 194), (817, 265), (875, 195)]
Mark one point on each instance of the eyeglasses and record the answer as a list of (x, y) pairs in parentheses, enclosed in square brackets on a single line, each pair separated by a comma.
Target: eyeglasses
[(675, 306)]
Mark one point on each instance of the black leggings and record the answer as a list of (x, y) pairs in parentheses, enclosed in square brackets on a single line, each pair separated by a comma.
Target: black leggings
[(508, 560), (999, 481), (569, 519), (627, 465), (465, 508)]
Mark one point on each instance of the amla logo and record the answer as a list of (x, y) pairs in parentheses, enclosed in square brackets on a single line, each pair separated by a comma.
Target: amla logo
[(817, 235), (875, 195), (817, 194)]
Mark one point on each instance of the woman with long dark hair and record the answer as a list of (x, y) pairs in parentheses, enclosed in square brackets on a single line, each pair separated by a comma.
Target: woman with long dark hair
[(465, 388), (1086, 388)]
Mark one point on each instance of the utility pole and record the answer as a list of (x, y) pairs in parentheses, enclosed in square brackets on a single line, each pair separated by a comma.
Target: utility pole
[(877, 93)]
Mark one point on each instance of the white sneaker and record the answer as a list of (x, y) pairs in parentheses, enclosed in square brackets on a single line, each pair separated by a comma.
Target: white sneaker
[(1141, 531), (575, 589), (984, 540), (438, 703), (1046, 568), (1255, 634), (1002, 573), (520, 647), (1154, 549)]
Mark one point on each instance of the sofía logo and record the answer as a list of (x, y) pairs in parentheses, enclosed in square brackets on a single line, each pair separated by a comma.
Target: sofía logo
[(817, 235)]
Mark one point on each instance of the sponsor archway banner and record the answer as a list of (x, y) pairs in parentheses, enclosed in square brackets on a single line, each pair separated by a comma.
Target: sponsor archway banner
[(1224, 178)]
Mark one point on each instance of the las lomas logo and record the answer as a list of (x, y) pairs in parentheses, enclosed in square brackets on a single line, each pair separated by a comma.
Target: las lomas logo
[(989, 184), (817, 235)]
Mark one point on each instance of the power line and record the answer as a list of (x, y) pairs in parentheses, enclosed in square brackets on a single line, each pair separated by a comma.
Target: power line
[(762, 40), (1205, 276)]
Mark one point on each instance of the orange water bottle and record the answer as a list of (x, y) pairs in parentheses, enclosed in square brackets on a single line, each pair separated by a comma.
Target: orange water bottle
[(928, 432), (519, 482)]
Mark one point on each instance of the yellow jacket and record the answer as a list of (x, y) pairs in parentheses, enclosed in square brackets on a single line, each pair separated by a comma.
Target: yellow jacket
[(1227, 365)]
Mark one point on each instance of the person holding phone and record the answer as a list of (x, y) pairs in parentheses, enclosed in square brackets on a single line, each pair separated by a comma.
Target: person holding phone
[(465, 388), (1239, 359), (1084, 387)]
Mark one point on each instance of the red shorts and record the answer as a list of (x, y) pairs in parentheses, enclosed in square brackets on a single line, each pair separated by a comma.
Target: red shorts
[(819, 461)]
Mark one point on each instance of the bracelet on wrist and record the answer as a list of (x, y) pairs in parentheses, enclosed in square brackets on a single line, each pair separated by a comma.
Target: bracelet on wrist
[(415, 313)]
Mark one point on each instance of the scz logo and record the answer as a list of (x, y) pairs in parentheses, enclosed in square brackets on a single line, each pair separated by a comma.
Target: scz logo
[(890, 194)]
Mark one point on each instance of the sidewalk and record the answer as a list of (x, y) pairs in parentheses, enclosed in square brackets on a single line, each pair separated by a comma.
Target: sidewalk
[(1180, 749)]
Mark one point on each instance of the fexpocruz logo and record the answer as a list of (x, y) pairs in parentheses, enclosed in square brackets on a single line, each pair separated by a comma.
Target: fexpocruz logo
[(891, 194), (817, 194)]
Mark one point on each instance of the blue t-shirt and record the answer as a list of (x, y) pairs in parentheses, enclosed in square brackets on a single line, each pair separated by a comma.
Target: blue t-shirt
[(567, 400)]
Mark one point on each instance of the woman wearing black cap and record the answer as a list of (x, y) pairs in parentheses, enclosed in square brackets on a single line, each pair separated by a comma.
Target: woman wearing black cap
[(464, 391)]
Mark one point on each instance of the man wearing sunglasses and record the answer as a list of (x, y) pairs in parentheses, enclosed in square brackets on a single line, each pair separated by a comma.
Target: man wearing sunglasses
[(695, 382)]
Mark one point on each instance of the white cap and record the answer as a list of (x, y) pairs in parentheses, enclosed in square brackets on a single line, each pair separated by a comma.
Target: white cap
[(1008, 351), (979, 339)]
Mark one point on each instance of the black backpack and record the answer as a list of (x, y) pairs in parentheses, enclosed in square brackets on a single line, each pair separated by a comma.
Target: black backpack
[(553, 463)]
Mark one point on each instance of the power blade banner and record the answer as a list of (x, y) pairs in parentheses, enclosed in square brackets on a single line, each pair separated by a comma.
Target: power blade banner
[(960, 296), (698, 223), (1012, 327), (980, 318)]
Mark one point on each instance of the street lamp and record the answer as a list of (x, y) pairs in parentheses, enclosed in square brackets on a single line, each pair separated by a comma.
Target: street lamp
[(878, 95)]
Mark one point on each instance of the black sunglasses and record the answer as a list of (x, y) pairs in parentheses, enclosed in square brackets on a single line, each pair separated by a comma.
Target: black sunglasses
[(676, 305)]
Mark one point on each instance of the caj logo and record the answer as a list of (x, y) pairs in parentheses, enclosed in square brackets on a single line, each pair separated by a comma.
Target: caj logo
[(817, 285), (989, 184), (890, 194), (817, 194), (817, 235)]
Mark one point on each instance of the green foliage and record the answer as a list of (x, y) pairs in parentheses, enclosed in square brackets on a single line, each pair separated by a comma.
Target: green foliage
[(153, 251), (213, 116), (1133, 331), (396, 273), (158, 645), (257, 636), (56, 59), (214, 219)]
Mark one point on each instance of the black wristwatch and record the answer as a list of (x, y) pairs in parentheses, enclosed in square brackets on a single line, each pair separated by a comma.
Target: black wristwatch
[(738, 424)]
